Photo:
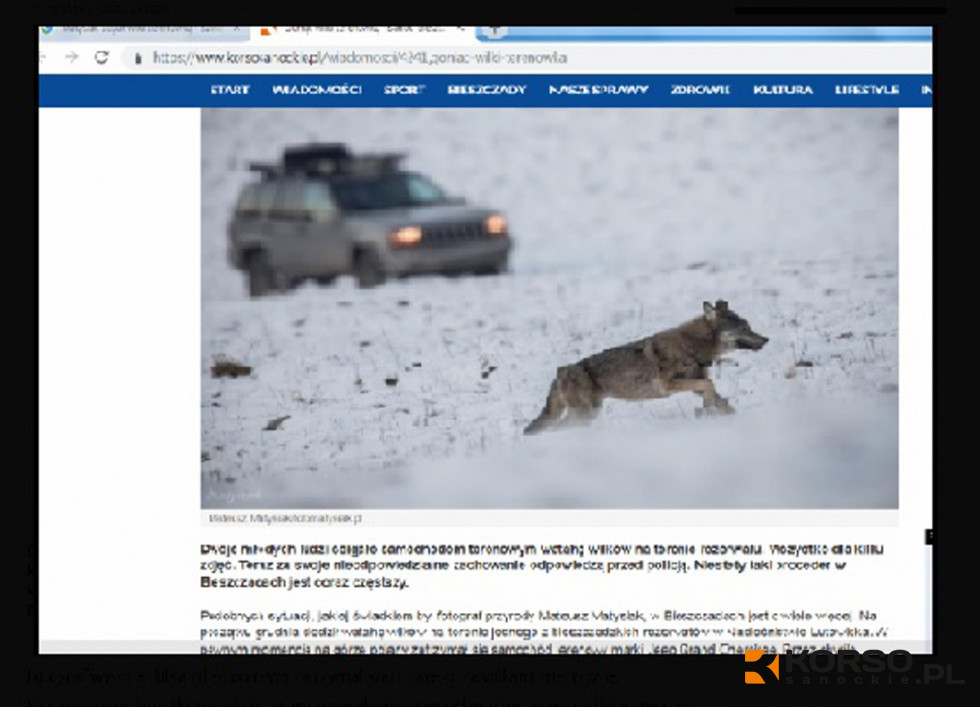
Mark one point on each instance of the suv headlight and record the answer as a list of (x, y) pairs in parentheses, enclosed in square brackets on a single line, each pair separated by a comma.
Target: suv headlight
[(405, 237), (496, 225)]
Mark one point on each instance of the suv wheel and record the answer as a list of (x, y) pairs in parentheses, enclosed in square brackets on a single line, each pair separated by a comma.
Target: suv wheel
[(368, 269), (261, 276)]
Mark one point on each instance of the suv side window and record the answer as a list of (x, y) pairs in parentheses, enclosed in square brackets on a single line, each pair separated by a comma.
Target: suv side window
[(256, 200), (318, 202), (248, 202), (288, 202)]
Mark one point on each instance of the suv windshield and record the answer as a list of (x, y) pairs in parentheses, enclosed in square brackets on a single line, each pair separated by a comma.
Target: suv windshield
[(386, 191)]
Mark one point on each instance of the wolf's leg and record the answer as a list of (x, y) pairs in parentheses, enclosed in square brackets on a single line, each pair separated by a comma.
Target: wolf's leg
[(574, 391), (582, 413), (724, 408), (706, 389), (581, 394), (553, 408)]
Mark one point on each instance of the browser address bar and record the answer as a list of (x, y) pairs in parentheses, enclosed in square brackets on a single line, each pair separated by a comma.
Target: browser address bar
[(486, 58), (285, 58), (539, 58)]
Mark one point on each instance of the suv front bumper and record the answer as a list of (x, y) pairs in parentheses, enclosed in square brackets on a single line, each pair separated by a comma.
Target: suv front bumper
[(474, 255)]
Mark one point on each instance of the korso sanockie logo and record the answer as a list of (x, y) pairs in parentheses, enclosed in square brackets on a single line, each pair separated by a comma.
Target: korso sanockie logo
[(761, 668)]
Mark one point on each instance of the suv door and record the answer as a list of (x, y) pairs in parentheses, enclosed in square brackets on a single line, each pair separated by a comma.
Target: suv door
[(249, 227), (328, 245), (288, 229)]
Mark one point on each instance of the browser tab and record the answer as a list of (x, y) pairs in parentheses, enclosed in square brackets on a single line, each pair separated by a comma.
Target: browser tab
[(143, 34)]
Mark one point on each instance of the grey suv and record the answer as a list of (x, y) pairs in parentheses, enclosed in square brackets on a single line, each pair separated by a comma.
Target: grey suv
[(324, 212)]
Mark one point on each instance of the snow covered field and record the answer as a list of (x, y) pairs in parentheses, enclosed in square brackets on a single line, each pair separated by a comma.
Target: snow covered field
[(415, 394)]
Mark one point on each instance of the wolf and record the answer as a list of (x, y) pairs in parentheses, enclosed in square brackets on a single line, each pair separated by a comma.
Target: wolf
[(671, 361)]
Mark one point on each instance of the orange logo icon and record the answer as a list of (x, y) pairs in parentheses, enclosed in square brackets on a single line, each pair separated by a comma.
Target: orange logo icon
[(760, 668)]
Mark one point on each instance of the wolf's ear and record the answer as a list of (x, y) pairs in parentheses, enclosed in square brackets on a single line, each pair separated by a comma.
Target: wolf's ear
[(709, 312), (721, 305)]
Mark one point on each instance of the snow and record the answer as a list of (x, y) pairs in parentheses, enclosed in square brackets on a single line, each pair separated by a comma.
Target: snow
[(415, 394)]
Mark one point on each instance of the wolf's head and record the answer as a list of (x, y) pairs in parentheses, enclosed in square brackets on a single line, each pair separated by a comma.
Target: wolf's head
[(731, 330)]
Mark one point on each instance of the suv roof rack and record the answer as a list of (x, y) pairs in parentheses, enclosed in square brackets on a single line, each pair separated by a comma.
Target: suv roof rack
[(327, 159), (299, 157)]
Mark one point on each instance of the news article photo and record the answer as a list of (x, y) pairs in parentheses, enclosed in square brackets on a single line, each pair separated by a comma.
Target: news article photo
[(549, 308)]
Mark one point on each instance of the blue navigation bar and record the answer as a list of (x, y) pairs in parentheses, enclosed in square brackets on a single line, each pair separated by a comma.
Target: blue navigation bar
[(498, 91)]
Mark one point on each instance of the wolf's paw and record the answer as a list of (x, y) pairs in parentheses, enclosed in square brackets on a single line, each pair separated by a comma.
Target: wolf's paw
[(724, 408), (534, 428), (720, 408)]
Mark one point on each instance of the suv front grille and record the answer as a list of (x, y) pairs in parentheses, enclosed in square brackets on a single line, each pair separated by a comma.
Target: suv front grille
[(449, 233)]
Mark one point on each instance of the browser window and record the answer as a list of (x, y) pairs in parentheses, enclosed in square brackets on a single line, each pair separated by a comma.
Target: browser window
[(486, 340)]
